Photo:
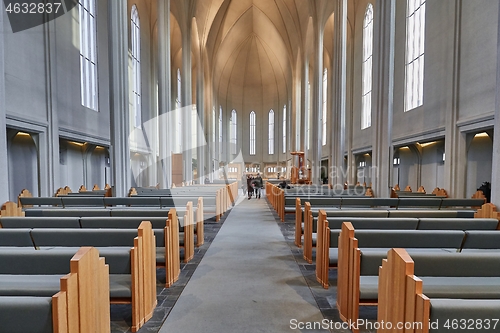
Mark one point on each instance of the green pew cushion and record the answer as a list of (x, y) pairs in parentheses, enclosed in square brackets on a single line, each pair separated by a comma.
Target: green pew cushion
[(41, 201), (121, 222), (134, 212), (419, 213), (40, 222), (354, 212), (374, 222), (83, 237), (15, 237), (447, 310), (440, 287), (14, 312), (132, 201), (88, 201), (29, 285), (457, 224), (370, 238), (120, 286), (481, 239), (67, 212), (333, 254)]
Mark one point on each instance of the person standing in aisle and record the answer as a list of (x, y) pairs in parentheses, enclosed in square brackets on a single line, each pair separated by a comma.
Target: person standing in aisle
[(257, 185), (249, 186)]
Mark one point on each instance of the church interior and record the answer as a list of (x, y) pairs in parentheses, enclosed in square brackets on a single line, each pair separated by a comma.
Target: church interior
[(139, 136)]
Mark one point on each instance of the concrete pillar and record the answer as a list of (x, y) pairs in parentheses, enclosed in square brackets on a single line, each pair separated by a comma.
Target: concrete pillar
[(4, 158), (186, 101), (201, 137), (164, 94), (495, 177), (317, 106), (338, 117), (382, 96), (119, 95), (48, 142), (304, 105), (455, 142), (295, 112)]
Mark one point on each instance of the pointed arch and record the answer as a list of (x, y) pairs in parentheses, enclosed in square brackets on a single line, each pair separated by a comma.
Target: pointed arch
[(271, 132), (366, 102), (253, 136)]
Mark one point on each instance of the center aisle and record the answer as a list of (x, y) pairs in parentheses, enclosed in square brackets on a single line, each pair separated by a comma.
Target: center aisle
[(248, 281)]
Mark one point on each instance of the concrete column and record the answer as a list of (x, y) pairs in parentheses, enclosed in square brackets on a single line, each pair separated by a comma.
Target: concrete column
[(304, 105), (48, 142), (295, 112), (119, 96), (4, 158), (495, 177), (202, 132), (186, 100), (317, 107), (455, 142), (338, 117), (217, 144), (164, 94), (382, 96)]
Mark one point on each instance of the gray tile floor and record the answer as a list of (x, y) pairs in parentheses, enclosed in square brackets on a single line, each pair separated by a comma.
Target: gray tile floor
[(325, 298), (167, 297), (121, 314)]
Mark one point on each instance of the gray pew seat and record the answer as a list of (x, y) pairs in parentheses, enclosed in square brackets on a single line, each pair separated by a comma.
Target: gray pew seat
[(422, 213), (15, 238), (143, 212), (26, 314), (480, 240), (457, 224), (121, 222), (48, 238), (40, 222), (374, 222), (445, 309), (67, 212)]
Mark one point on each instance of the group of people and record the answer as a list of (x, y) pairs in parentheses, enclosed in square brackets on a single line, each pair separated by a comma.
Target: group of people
[(253, 186)]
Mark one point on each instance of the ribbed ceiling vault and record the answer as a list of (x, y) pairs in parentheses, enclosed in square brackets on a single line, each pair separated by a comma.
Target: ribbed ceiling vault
[(252, 46)]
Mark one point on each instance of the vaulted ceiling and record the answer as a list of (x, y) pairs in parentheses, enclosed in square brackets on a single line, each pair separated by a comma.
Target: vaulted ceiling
[(251, 47)]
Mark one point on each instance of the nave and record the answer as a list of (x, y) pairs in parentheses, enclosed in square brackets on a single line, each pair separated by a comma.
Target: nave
[(248, 281), (247, 277)]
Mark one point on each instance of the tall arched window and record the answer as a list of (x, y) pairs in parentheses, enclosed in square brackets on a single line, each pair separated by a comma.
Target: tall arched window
[(325, 100), (253, 135), (220, 132), (308, 116), (234, 132), (366, 102), (271, 132), (178, 115), (415, 47), (213, 124), (179, 89), (136, 64), (88, 54), (284, 129)]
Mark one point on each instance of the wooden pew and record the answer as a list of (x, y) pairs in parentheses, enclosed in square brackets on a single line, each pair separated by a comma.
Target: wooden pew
[(172, 257), (10, 209), (81, 305), (141, 255), (411, 291), (349, 261)]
